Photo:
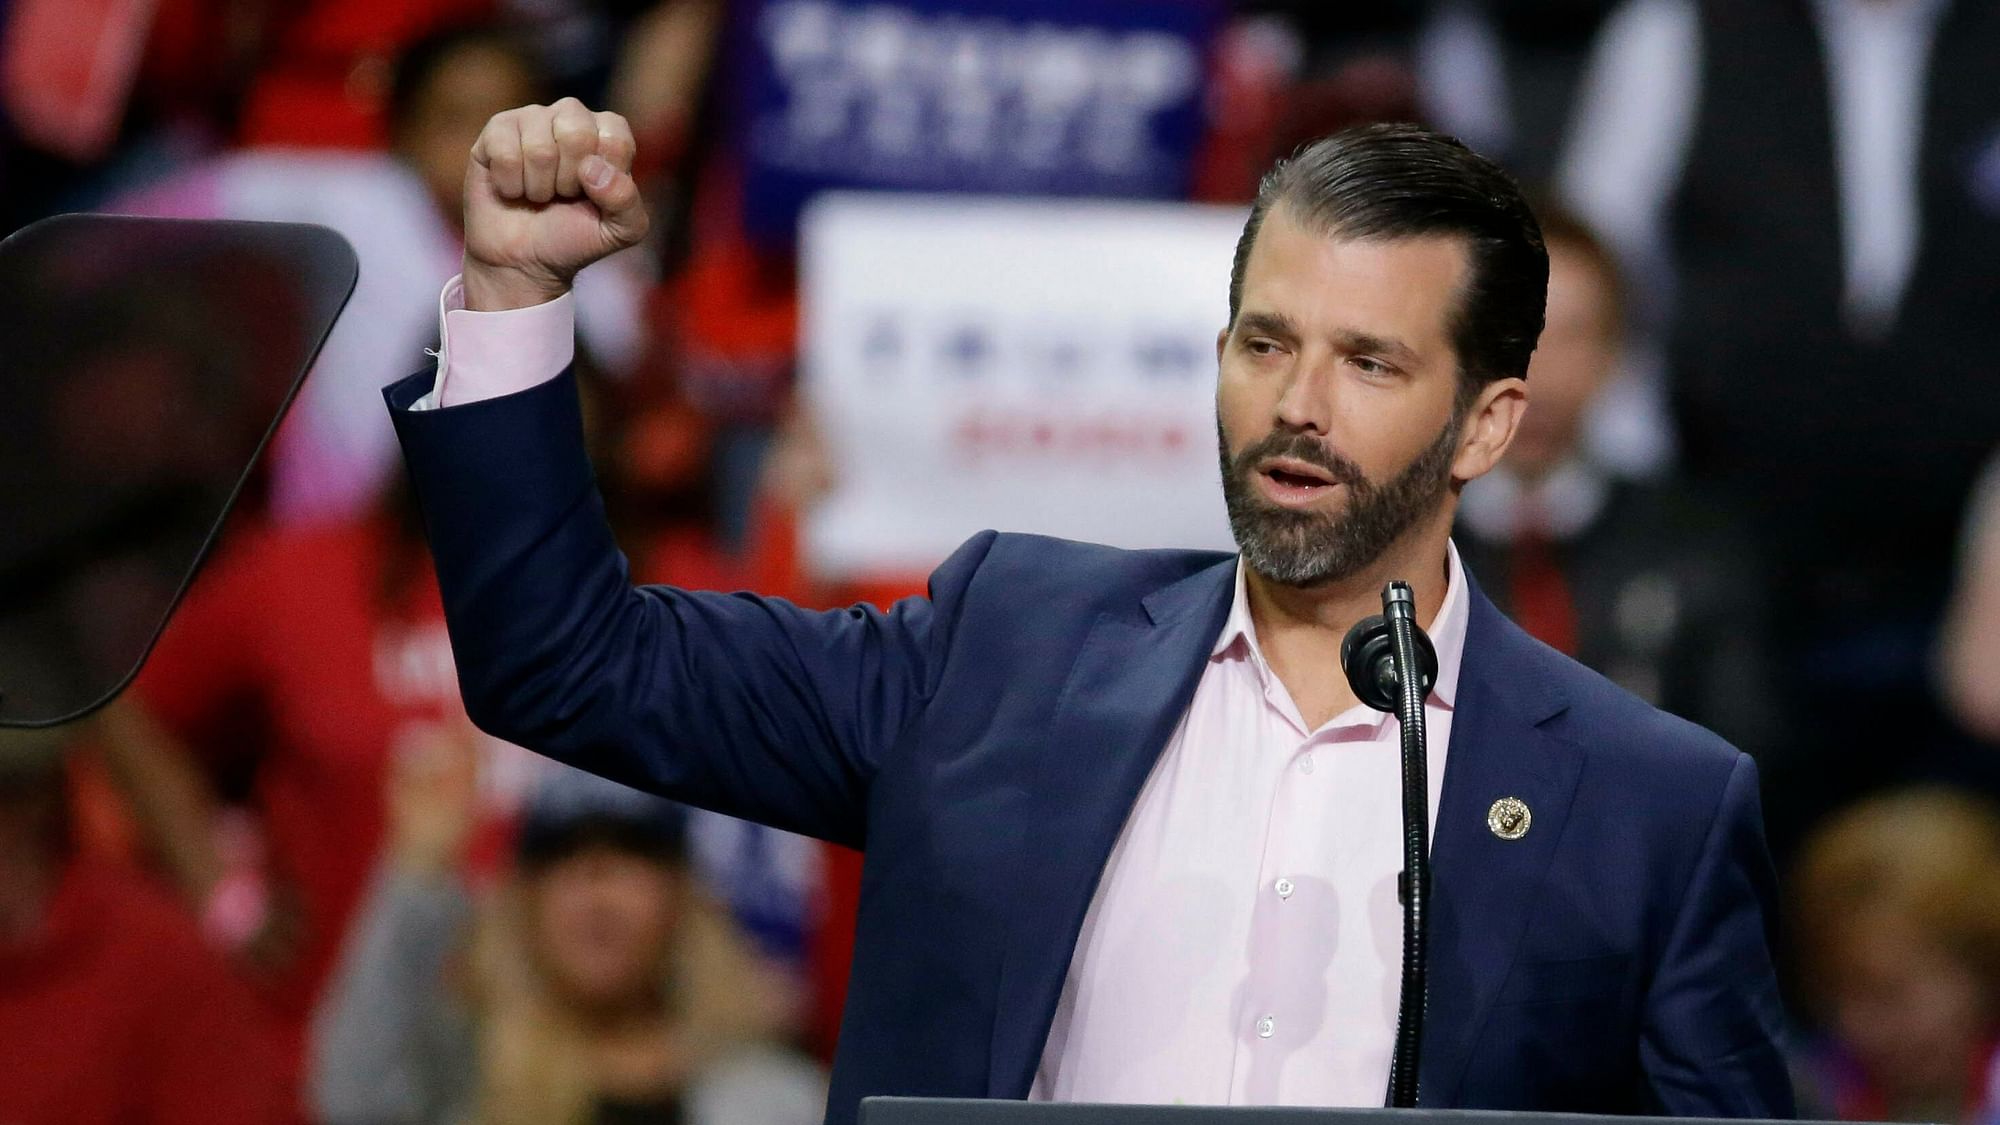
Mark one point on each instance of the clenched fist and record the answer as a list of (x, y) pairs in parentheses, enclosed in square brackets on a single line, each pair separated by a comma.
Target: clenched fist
[(548, 191)]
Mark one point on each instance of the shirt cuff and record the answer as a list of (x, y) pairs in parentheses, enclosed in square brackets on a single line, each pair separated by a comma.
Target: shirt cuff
[(484, 355)]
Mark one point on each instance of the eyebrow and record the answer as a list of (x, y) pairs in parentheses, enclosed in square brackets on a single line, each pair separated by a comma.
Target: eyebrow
[(1267, 324), (1350, 341), (1387, 346)]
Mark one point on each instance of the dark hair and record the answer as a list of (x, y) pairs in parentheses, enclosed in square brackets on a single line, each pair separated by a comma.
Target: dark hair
[(1562, 227), (572, 811), (421, 60), (547, 845), (1405, 181)]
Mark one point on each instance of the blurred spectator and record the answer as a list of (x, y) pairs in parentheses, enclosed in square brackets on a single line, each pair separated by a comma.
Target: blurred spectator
[(68, 70), (1250, 79), (1284, 73), (1502, 75), (96, 95), (95, 92), (599, 986), (1809, 194), (1641, 581), (301, 662), (1898, 915), (1970, 652), (733, 318), (400, 209), (326, 74), (111, 1007), (648, 60), (305, 660)]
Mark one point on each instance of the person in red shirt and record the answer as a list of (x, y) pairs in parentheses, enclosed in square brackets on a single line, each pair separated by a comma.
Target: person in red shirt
[(112, 1008), (325, 76), (309, 659)]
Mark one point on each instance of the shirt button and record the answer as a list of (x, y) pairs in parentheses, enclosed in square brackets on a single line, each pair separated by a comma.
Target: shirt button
[(1265, 1027), (1283, 887), (1305, 763)]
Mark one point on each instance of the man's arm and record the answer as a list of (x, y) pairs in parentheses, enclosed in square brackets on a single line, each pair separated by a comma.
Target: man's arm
[(386, 1011), (1710, 1041), (748, 706)]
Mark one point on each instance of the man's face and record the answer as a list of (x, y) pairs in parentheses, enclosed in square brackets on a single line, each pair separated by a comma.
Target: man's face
[(1335, 398), (1576, 354)]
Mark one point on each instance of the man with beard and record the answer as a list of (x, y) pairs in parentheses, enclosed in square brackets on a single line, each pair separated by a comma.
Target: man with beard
[(1129, 836)]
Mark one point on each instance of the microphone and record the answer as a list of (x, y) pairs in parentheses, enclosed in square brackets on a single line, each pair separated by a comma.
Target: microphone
[(1367, 653), (1391, 665)]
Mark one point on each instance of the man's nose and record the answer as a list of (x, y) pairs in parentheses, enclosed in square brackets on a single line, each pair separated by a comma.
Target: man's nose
[(1307, 402)]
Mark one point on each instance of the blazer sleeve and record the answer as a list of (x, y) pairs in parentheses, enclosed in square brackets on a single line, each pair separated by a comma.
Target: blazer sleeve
[(1710, 1040), (745, 705)]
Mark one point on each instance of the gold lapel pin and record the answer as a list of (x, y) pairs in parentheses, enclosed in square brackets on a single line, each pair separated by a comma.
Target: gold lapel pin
[(1509, 818)]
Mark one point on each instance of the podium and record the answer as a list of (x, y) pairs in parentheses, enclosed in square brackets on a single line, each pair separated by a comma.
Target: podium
[(145, 366), (966, 1111)]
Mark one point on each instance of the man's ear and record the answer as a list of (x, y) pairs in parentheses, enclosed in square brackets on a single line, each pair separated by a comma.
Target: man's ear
[(1221, 342), (1489, 428)]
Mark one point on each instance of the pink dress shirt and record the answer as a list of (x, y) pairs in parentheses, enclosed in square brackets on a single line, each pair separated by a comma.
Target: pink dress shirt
[(488, 354), (1244, 946)]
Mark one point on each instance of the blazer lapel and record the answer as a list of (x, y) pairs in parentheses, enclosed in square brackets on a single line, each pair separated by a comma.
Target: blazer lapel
[(1130, 686), (1484, 887)]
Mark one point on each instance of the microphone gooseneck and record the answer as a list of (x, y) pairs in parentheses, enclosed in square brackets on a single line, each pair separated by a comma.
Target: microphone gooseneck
[(1391, 666)]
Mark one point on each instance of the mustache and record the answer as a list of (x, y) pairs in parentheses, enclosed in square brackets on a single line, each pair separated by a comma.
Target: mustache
[(1301, 447)]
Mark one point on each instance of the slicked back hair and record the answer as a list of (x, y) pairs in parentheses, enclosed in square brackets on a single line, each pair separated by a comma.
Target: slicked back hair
[(1405, 181)]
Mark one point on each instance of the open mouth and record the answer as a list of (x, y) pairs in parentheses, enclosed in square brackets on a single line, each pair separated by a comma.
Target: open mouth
[(1294, 482)]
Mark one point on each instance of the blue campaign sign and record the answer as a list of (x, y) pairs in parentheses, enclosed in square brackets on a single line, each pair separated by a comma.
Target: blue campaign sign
[(1022, 97)]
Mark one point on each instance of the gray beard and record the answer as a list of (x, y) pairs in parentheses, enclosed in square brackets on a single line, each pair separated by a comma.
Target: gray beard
[(1305, 549)]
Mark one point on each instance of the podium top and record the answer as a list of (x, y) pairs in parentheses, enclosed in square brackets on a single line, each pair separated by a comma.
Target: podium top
[(145, 364), (963, 1111)]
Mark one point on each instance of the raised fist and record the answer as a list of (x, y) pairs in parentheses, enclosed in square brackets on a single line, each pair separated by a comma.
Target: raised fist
[(547, 192)]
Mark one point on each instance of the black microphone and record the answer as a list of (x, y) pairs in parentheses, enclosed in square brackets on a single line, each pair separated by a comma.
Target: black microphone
[(1368, 655), (1391, 665)]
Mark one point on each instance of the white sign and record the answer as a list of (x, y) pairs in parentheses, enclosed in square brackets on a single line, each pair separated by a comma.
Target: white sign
[(1028, 365)]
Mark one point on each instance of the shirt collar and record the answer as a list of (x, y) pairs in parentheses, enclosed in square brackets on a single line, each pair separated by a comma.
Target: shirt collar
[(1447, 629)]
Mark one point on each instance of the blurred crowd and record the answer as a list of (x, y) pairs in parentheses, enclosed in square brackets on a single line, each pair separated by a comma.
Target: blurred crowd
[(284, 879)]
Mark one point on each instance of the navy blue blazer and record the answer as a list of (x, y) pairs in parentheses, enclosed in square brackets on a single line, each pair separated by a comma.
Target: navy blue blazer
[(985, 745)]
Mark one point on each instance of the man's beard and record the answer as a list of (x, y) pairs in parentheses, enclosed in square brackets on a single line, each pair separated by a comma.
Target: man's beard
[(1295, 548)]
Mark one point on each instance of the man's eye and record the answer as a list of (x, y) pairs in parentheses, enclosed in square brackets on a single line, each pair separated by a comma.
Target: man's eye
[(1370, 366), (1262, 347)]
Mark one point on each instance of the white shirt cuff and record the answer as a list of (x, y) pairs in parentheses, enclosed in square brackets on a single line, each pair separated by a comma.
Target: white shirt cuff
[(484, 355)]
